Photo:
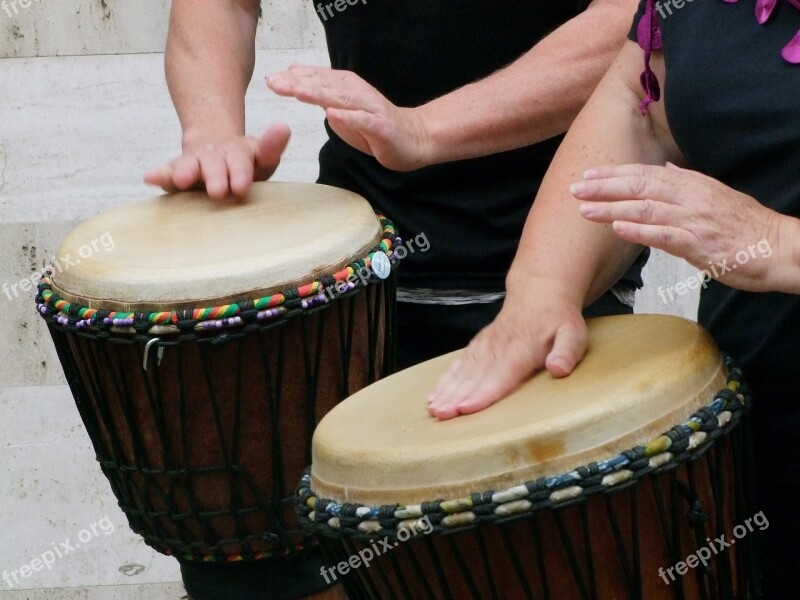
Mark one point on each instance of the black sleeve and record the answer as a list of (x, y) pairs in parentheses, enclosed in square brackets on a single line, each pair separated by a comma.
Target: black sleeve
[(639, 14)]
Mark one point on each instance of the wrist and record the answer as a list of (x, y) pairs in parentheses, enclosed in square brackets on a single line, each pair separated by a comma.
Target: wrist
[(522, 286), (428, 130), (194, 137), (785, 277)]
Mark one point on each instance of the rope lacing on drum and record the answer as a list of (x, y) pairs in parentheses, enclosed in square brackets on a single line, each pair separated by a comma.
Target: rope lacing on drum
[(341, 528)]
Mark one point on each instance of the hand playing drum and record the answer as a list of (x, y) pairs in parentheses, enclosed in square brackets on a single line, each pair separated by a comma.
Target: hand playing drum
[(591, 486)]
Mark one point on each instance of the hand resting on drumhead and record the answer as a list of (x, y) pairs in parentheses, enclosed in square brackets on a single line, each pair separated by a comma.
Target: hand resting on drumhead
[(229, 166), (513, 348)]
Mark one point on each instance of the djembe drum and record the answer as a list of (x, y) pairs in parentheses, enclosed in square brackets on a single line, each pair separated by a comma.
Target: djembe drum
[(203, 350), (588, 487)]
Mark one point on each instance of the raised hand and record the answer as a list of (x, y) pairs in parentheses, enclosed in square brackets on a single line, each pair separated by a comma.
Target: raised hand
[(692, 216), (359, 114)]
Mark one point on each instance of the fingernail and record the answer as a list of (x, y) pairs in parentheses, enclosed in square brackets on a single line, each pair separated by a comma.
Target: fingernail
[(590, 174), (559, 363), (578, 189), (619, 227), (587, 210)]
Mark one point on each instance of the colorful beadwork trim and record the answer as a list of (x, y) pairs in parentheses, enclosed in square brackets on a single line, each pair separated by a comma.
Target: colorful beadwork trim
[(260, 310), (666, 451), (229, 558)]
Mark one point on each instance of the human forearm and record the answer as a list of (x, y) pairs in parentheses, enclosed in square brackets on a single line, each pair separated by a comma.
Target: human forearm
[(563, 261), (209, 62), (534, 98), (558, 245), (210, 58)]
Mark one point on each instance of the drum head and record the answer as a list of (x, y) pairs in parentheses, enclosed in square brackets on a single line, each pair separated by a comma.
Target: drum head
[(185, 250), (642, 375)]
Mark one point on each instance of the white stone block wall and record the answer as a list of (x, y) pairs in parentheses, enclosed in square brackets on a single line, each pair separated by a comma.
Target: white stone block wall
[(102, 27), (84, 111)]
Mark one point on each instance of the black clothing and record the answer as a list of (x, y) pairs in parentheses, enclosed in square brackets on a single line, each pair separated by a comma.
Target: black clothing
[(731, 103), (260, 580), (472, 211)]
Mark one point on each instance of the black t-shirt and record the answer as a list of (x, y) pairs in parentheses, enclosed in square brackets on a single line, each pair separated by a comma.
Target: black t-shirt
[(732, 106), (413, 51)]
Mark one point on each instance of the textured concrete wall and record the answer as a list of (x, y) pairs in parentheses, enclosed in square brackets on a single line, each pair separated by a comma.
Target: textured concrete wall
[(97, 27), (83, 112)]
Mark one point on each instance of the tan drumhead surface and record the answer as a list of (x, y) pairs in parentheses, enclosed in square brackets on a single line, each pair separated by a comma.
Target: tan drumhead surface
[(642, 375), (185, 250)]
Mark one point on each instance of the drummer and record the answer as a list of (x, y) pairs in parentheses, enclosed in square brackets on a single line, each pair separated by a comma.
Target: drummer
[(400, 102), (718, 177), (388, 58)]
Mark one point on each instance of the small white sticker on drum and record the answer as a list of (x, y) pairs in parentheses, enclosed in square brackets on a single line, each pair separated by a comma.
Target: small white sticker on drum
[(381, 265)]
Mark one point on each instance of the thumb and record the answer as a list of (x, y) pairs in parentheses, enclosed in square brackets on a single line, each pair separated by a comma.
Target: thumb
[(569, 347), (160, 176), (357, 120), (270, 148), (353, 126)]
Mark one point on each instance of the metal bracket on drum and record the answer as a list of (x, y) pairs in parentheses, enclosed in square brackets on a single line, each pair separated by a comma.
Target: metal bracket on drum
[(159, 355)]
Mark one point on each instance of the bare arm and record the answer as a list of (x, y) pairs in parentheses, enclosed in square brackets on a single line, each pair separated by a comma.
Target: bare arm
[(564, 261), (558, 244), (536, 97), (210, 58), (531, 100), (571, 252)]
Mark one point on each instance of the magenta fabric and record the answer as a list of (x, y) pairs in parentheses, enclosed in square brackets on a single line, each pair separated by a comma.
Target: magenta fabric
[(648, 35)]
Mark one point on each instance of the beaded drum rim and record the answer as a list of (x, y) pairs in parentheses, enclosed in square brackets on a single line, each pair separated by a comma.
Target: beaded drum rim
[(261, 311), (673, 447)]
